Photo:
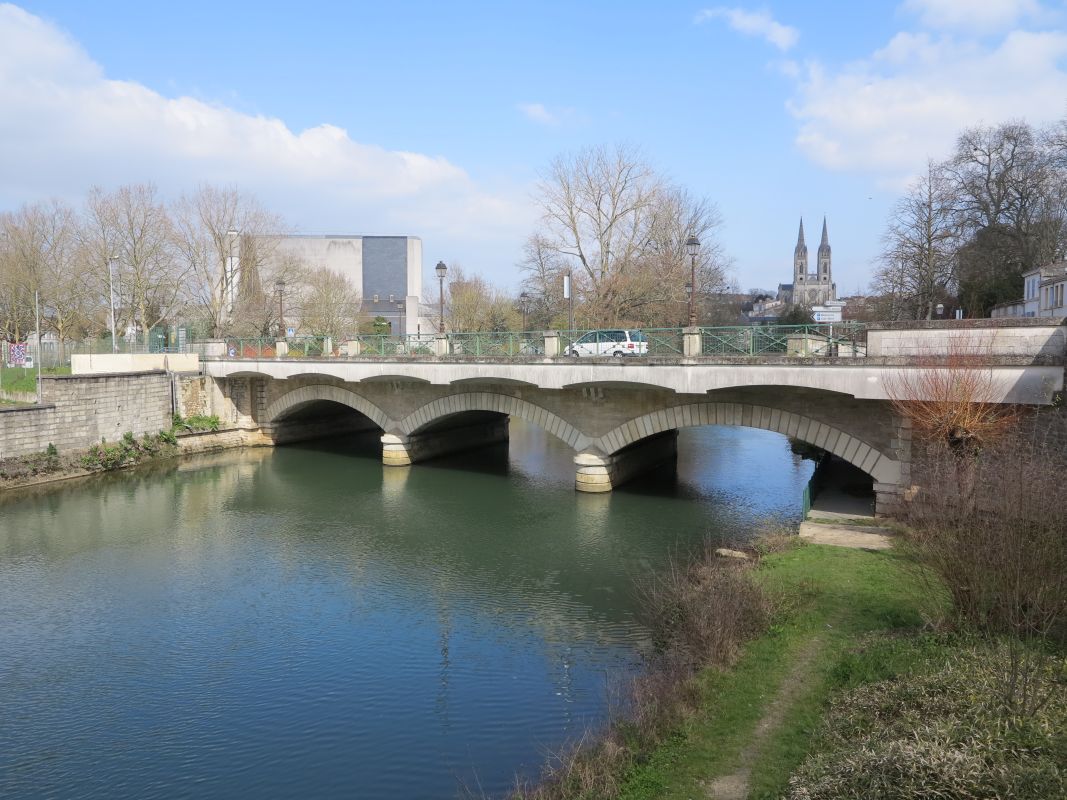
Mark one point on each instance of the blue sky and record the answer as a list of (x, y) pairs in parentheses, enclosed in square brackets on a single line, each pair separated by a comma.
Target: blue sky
[(433, 119)]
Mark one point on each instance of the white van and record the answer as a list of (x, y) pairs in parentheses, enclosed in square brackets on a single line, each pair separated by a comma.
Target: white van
[(609, 343)]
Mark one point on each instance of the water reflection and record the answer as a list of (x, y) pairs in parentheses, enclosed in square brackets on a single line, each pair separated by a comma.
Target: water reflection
[(303, 621)]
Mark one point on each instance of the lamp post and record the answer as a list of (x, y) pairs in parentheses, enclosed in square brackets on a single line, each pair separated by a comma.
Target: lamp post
[(230, 293), (524, 302), (111, 292), (441, 269), (692, 246), (279, 287)]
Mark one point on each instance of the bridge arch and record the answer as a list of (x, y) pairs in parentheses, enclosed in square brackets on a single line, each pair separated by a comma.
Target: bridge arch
[(297, 398), (880, 466), (437, 410)]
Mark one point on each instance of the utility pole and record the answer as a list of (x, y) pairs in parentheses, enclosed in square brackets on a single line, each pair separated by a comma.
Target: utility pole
[(111, 292)]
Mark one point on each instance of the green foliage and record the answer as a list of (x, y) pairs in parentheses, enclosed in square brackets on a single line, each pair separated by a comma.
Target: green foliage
[(796, 315), (197, 422), (128, 451), (380, 326), (24, 379), (941, 730)]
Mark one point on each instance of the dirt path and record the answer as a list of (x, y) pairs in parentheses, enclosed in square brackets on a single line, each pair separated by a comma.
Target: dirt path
[(735, 785)]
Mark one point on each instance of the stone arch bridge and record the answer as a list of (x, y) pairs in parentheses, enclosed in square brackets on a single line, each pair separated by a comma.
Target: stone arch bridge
[(621, 416)]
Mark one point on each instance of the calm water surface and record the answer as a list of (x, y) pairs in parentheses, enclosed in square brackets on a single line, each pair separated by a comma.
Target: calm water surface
[(303, 622)]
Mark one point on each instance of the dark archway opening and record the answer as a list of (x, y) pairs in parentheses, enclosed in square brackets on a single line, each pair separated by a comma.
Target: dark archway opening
[(327, 421)]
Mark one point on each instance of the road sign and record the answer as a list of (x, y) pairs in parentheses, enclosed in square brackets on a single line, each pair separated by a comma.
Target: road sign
[(826, 313), (290, 331), (233, 352)]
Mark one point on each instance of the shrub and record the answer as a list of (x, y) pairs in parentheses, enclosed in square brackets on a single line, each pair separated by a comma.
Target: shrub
[(941, 731), (700, 614), (988, 528), (197, 422)]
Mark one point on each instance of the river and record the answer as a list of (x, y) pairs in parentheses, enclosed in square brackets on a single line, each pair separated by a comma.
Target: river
[(304, 622)]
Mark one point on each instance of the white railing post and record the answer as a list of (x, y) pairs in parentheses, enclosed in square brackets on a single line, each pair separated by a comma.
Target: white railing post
[(691, 344), (551, 344)]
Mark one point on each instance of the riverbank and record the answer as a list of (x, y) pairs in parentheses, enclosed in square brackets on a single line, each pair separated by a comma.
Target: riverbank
[(50, 466), (845, 618), (755, 721)]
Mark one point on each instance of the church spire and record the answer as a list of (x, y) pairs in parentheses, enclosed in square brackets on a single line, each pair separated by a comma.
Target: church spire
[(801, 247), (824, 245)]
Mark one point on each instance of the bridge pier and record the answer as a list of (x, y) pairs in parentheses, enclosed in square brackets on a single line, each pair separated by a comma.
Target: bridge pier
[(400, 450), (596, 472)]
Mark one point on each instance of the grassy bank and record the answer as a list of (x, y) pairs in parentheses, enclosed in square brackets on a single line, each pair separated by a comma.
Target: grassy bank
[(24, 379), (756, 720)]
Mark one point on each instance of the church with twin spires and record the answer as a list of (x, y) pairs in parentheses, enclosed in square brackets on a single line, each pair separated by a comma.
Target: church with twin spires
[(809, 288)]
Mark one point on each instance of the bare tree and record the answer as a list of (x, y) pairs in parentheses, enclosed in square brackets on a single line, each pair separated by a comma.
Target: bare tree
[(133, 226), (329, 304), (41, 255), (919, 248), (619, 230), (1006, 188), (473, 304), (224, 238)]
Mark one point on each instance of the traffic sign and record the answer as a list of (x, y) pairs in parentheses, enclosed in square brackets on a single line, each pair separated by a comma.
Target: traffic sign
[(825, 314)]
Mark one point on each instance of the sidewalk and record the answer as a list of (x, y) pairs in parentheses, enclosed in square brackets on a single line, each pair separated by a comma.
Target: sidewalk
[(844, 519)]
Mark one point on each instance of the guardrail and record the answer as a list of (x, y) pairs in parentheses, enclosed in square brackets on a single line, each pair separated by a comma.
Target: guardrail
[(821, 340), (818, 340), (505, 343)]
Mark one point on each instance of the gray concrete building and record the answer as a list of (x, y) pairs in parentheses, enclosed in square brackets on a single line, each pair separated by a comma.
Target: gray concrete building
[(386, 269)]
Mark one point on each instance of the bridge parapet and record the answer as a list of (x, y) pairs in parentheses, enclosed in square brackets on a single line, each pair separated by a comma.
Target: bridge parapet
[(1033, 337)]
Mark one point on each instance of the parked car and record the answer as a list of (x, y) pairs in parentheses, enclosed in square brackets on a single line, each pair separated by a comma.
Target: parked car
[(609, 343)]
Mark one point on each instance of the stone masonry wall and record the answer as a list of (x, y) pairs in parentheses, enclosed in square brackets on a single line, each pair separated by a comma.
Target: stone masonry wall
[(78, 411)]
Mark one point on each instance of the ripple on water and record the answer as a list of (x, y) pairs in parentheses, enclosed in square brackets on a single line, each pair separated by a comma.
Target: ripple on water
[(307, 623)]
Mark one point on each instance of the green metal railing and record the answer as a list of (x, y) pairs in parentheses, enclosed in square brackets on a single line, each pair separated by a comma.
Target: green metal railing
[(298, 347), (797, 341), (504, 343), (823, 339)]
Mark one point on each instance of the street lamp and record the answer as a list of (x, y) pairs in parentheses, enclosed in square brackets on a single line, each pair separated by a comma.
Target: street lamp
[(231, 236), (524, 302), (111, 291), (441, 269), (692, 246), (279, 287)]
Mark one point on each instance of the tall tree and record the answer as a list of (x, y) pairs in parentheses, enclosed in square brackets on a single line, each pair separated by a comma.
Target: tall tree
[(134, 227), (225, 239), (1006, 184), (473, 304), (41, 255), (619, 230), (919, 248), (329, 304)]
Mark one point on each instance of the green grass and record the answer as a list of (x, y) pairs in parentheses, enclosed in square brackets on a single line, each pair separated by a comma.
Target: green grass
[(835, 598), (24, 379)]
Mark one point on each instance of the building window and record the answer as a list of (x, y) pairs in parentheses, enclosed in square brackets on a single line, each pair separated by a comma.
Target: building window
[(375, 298)]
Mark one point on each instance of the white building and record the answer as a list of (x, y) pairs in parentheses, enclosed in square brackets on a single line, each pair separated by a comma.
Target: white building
[(1044, 290), (387, 270)]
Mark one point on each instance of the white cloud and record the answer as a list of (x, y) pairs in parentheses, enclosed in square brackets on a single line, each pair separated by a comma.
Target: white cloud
[(910, 99), (972, 15), (754, 23), (64, 126), (536, 112)]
